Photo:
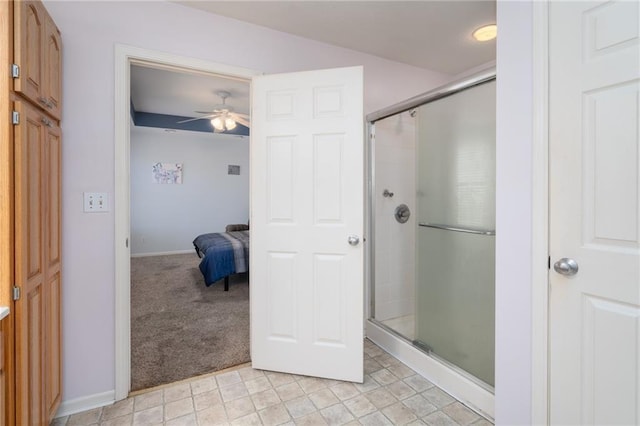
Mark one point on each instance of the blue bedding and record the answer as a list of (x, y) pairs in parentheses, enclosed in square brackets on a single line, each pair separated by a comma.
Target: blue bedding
[(223, 254)]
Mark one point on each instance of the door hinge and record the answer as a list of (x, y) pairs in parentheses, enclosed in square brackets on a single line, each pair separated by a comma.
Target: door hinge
[(15, 117), (15, 71), (549, 263), (16, 293), (126, 243)]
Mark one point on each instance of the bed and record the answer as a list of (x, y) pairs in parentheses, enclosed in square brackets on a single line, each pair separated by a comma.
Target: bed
[(223, 254)]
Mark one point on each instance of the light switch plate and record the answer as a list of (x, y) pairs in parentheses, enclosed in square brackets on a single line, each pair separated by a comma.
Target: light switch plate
[(95, 202)]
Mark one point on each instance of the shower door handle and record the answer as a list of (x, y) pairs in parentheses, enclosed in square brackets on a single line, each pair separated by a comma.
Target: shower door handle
[(353, 240)]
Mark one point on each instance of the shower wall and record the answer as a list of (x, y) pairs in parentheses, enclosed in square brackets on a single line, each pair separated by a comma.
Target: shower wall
[(394, 170)]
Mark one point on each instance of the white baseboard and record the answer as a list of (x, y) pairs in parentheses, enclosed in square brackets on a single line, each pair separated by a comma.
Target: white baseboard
[(86, 403), (164, 253)]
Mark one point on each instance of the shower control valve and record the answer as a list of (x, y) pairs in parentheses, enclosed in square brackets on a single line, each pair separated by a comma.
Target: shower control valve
[(402, 213)]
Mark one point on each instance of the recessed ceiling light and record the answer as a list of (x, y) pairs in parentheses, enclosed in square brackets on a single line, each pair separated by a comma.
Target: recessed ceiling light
[(486, 33)]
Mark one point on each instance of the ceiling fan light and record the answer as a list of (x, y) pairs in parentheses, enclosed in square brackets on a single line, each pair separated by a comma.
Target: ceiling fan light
[(217, 123), (230, 124)]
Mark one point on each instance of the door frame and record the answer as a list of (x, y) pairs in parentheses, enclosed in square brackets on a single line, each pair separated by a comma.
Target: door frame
[(540, 217), (125, 55)]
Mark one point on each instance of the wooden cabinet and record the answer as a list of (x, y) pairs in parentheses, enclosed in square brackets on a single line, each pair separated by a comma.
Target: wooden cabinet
[(37, 54), (7, 401), (29, 248), (52, 281), (30, 214), (3, 373), (36, 214), (37, 259)]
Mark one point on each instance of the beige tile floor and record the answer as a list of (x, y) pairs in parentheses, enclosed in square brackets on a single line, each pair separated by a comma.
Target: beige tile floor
[(392, 394)]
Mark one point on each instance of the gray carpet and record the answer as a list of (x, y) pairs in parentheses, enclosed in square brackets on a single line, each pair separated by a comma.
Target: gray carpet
[(179, 327)]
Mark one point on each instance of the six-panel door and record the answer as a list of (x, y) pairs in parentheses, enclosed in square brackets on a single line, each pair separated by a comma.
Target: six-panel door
[(595, 212), (307, 189)]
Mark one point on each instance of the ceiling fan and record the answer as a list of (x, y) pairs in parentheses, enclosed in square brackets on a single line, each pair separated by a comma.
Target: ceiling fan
[(223, 117)]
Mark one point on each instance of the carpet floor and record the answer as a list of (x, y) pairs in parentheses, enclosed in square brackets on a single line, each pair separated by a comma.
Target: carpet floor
[(179, 327)]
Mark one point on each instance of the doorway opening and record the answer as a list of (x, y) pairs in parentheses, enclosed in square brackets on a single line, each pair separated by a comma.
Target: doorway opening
[(127, 240), (188, 180)]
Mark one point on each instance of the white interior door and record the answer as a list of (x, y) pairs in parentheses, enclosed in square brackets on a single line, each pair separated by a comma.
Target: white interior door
[(594, 213), (307, 186)]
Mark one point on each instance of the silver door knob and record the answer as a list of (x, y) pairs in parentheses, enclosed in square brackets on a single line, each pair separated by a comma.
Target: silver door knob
[(566, 266), (353, 240)]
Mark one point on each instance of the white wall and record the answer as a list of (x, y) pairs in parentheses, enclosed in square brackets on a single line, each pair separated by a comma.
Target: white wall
[(90, 30), (514, 143), (166, 218)]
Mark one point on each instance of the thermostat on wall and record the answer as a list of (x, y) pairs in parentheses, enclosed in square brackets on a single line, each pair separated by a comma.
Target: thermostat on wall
[(233, 170)]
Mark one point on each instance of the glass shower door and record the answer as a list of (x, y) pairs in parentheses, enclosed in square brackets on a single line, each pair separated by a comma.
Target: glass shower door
[(455, 243)]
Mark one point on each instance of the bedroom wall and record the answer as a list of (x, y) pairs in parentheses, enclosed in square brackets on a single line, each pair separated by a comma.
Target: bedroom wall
[(90, 30), (207, 200)]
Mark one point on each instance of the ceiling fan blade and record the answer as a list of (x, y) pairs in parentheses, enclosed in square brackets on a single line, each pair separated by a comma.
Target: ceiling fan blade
[(238, 114), (214, 111), (204, 117), (242, 121)]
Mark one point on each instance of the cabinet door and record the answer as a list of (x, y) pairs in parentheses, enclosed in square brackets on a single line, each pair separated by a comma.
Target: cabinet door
[(38, 53), (52, 49), (52, 289), (30, 264), (29, 30)]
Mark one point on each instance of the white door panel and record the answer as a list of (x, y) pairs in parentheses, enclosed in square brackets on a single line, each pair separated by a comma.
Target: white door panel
[(595, 212), (307, 189)]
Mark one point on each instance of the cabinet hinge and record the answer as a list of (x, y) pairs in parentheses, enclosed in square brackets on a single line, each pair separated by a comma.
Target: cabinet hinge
[(15, 117), (15, 71), (16, 293)]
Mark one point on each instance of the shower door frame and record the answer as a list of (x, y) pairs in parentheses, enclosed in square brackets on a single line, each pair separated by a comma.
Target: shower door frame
[(447, 376)]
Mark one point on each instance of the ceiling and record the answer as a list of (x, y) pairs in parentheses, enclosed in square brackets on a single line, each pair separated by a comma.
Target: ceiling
[(435, 35), (174, 92)]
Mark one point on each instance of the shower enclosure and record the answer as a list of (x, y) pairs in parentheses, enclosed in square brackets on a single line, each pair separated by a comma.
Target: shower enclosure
[(432, 218)]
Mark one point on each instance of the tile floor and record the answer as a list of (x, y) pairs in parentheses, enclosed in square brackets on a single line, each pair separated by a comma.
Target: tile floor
[(392, 394)]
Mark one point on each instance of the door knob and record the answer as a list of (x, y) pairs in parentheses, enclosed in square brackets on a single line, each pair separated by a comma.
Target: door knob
[(566, 266), (353, 240)]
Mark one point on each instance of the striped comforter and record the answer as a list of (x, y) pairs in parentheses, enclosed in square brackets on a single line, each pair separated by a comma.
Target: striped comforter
[(223, 254)]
